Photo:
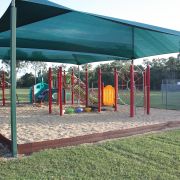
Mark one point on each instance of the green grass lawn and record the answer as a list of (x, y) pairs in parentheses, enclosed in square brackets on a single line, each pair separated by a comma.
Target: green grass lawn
[(22, 94), (173, 99), (153, 156)]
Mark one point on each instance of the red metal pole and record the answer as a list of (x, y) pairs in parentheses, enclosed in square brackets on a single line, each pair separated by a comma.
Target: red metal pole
[(87, 87), (72, 87), (64, 87), (132, 90), (99, 90), (148, 89), (144, 79), (3, 89), (116, 88), (60, 90), (50, 90), (102, 94)]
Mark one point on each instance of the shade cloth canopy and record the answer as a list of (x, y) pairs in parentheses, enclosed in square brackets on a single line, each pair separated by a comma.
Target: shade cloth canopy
[(50, 32)]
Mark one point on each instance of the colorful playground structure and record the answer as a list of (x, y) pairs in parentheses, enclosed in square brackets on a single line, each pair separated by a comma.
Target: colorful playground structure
[(65, 89), (75, 88), (68, 85)]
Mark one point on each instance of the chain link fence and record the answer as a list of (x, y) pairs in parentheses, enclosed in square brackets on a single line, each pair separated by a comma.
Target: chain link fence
[(170, 93)]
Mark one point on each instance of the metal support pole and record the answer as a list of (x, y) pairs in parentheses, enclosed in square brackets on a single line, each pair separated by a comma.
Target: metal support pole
[(50, 90), (60, 90), (102, 93), (148, 89), (72, 87), (3, 89), (132, 90), (87, 87), (145, 91), (99, 90), (13, 79), (64, 87), (79, 84), (116, 88)]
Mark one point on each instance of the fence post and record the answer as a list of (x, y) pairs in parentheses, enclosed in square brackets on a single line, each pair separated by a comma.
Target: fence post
[(148, 89), (50, 90), (99, 90), (132, 90)]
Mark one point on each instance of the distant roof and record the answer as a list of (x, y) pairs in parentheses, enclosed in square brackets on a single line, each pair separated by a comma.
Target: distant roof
[(50, 32)]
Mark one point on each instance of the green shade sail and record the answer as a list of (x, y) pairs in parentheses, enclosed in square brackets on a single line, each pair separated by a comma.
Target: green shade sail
[(53, 33)]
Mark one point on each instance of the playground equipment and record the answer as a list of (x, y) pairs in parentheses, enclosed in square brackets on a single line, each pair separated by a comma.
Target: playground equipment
[(108, 96), (3, 85), (80, 91), (67, 84), (37, 90)]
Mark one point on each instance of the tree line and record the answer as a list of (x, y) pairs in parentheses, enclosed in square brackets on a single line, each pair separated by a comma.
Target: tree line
[(160, 69)]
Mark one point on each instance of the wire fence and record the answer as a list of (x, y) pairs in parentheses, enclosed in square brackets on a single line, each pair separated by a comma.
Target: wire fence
[(170, 93)]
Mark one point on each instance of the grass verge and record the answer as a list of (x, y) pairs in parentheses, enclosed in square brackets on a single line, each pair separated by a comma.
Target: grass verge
[(152, 156)]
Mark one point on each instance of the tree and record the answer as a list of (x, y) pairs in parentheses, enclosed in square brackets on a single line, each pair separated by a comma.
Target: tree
[(26, 80), (37, 66), (161, 69), (88, 66), (19, 65)]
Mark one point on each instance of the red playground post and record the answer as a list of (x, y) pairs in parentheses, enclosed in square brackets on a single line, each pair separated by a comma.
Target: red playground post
[(64, 87), (87, 87), (116, 88), (50, 90), (148, 88), (144, 79), (132, 90), (102, 93), (99, 90), (3, 89), (72, 87), (60, 91)]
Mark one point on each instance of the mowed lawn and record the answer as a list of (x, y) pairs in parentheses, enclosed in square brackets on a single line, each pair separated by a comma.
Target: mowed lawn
[(157, 100), (152, 156), (22, 94)]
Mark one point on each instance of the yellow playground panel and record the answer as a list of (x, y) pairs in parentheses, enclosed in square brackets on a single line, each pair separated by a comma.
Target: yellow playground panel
[(108, 96)]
